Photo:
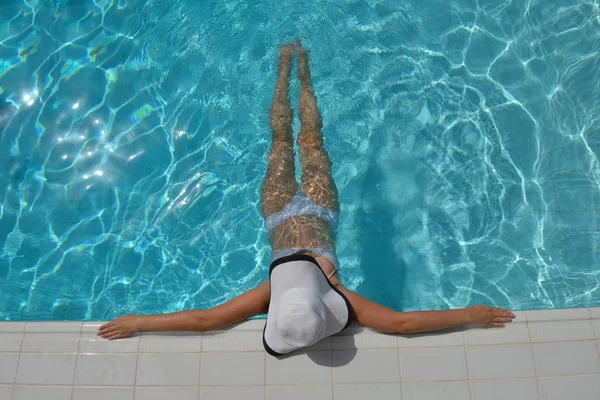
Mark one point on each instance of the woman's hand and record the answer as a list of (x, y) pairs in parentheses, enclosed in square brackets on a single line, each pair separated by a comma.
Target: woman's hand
[(489, 316), (120, 328)]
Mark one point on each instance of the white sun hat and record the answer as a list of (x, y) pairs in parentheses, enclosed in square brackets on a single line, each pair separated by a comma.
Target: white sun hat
[(305, 307)]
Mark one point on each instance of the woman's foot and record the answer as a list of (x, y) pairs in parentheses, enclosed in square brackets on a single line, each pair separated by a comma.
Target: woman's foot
[(286, 52), (287, 49)]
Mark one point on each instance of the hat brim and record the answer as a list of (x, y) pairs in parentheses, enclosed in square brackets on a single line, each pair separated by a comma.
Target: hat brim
[(303, 271)]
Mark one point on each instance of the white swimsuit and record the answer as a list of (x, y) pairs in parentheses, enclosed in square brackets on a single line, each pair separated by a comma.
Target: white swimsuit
[(302, 205)]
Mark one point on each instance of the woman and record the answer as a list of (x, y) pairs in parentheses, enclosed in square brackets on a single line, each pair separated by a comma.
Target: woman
[(303, 297)]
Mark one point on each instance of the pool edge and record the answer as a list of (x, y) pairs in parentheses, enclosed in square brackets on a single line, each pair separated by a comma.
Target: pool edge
[(537, 326), (537, 356)]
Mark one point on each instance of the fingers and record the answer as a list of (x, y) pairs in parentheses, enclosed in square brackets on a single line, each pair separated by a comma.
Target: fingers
[(501, 312), (109, 332), (501, 316), (114, 333), (106, 327)]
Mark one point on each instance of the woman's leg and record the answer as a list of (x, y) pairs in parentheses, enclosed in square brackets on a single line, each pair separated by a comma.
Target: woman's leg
[(280, 186), (317, 182)]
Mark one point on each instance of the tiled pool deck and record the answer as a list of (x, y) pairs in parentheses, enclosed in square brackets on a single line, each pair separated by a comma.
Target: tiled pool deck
[(549, 355)]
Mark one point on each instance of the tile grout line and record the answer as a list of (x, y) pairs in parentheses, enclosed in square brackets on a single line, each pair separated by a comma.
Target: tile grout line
[(331, 373), (370, 348), (398, 358), (400, 367), (18, 362), (332, 369), (137, 363), (462, 329), (76, 360), (596, 333), (200, 361), (537, 378), (286, 385)]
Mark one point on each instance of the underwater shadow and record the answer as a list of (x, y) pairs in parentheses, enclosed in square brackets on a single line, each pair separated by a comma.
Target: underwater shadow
[(384, 273)]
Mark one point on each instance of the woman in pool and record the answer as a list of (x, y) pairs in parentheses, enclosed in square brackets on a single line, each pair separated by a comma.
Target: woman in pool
[(303, 296)]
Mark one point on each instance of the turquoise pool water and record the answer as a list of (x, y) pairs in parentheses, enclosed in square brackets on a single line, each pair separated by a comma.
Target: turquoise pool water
[(464, 137)]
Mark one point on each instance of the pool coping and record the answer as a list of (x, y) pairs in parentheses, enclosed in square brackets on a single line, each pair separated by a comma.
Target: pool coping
[(537, 326), (540, 352)]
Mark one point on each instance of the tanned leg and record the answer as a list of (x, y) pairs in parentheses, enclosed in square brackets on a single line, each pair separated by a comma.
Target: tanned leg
[(317, 182), (280, 186)]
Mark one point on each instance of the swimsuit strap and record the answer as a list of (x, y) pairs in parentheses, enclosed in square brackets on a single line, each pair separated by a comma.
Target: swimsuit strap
[(332, 273)]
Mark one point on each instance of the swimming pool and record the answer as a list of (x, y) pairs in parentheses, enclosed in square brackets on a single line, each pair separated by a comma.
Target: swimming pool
[(464, 138)]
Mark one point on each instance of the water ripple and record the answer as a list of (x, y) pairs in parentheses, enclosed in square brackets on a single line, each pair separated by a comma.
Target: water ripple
[(464, 137)]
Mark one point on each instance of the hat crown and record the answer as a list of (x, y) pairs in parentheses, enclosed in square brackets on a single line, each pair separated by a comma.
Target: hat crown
[(301, 321)]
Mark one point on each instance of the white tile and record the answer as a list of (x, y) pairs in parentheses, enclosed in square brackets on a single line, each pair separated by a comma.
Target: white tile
[(12, 327), (435, 364), (90, 343), (51, 342), (10, 341), (92, 326), (242, 369), (51, 337), (323, 344), (508, 361), (514, 332), (232, 393), (379, 391), (8, 370), (106, 369), (102, 393), (596, 326), (302, 368), (569, 358), (232, 341), (6, 392), (250, 325), (299, 393), (560, 325), (358, 337), (570, 387), (11, 335), (162, 393), (168, 369), (595, 312), (366, 366), (558, 315), (513, 389), (246, 336), (53, 326), (556, 331), (446, 337), (55, 369), (43, 392), (170, 343), (435, 391)]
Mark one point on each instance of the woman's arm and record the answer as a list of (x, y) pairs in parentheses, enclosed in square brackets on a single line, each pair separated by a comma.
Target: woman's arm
[(253, 302), (383, 319)]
